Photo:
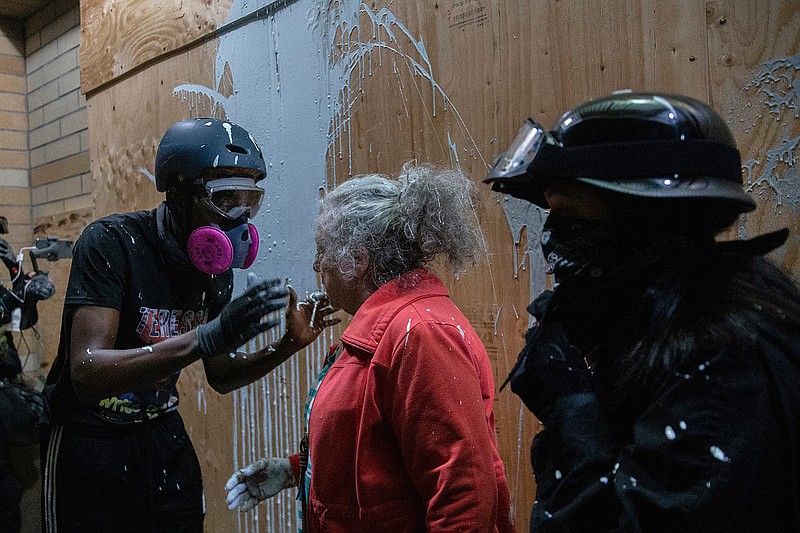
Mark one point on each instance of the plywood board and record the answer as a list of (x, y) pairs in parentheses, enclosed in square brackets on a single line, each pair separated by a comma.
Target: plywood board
[(332, 90), (754, 65), (117, 37), (452, 87)]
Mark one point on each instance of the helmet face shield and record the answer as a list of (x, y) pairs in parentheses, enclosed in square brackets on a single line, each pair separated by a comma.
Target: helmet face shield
[(522, 151), (642, 145), (232, 197)]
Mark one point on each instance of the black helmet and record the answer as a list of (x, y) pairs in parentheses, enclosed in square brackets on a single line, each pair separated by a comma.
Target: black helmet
[(191, 147), (639, 144)]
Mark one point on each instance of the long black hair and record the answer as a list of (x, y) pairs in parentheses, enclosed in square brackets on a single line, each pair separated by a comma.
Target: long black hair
[(677, 305)]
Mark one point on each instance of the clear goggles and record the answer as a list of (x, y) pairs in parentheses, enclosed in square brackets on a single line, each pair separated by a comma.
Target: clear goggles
[(517, 157), (232, 197)]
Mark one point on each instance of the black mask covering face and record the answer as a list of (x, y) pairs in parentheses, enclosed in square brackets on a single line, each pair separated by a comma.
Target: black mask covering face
[(571, 246), (598, 265)]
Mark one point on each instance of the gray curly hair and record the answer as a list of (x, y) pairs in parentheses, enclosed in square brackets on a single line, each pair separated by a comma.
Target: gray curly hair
[(401, 224)]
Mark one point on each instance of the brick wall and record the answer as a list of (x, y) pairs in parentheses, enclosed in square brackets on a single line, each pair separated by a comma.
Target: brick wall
[(15, 194), (58, 140)]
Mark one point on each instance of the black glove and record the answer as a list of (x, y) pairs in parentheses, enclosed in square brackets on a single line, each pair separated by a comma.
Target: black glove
[(38, 286), (550, 365), (7, 255), (241, 319)]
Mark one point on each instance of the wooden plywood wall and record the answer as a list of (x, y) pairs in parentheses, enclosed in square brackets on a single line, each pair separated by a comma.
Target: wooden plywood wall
[(447, 82)]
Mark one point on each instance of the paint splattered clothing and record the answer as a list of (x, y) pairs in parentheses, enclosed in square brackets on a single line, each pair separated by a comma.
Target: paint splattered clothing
[(126, 463), (401, 434), (120, 478), (717, 445), (118, 262)]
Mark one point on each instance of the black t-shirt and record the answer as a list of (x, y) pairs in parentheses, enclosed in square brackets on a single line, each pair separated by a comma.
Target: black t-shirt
[(119, 262)]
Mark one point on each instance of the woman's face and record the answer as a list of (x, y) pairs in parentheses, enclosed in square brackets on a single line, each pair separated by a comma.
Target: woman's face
[(338, 291)]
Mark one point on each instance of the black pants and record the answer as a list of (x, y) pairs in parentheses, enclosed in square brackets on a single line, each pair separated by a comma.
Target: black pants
[(144, 478), (10, 491)]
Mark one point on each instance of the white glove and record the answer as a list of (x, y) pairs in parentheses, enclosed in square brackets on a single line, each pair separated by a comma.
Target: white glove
[(257, 482)]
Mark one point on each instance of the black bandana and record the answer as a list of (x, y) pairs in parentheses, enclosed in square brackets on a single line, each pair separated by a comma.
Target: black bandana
[(598, 249), (596, 253), (598, 265), (570, 246)]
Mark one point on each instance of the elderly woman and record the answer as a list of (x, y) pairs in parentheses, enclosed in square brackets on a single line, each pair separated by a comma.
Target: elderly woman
[(400, 426)]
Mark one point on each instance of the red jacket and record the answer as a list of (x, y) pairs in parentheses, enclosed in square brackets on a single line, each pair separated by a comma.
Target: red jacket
[(401, 435)]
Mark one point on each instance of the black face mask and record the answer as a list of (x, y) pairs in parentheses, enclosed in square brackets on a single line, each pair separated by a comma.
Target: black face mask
[(572, 246)]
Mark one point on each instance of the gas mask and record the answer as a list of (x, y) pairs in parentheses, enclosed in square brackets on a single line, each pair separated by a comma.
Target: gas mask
[(233, 242)]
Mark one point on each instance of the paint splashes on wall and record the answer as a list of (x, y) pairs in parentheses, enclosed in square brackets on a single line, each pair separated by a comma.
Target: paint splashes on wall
[(297, 75), (772, 98), (202, 101), (294, 80), (776, 173), (360, 40), (525, 215)]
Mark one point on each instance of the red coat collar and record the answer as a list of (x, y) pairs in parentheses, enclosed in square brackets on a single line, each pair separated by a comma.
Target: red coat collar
[(373, 317)]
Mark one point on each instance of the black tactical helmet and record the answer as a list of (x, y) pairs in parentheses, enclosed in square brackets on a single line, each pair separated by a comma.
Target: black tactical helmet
[(639, 144), (191, 147)]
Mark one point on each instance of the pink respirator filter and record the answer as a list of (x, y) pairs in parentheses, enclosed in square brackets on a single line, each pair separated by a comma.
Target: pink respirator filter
[(210, 250)]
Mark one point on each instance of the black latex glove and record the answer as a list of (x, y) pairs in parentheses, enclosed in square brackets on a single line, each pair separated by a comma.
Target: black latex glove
[(550, 365), (7, 255), (241, 319)]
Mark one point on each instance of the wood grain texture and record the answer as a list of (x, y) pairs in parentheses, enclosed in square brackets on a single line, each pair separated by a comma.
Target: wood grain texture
[(494, 63), (754, 67), (118, 36)]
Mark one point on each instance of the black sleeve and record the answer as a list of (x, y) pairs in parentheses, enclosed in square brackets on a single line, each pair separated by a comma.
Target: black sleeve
[(10, 365), (692, 462), (99, 262)]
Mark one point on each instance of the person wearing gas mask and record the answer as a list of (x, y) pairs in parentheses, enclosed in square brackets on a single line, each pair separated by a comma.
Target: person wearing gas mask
[(664, 364), (150, 293)]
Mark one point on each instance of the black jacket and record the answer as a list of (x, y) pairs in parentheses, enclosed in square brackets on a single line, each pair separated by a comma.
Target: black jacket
[(706, 438)]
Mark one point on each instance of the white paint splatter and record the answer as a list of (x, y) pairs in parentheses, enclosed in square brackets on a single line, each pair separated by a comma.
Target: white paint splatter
[(202, 100), (779, 173), (229, 129), (497, 318), (147, 173), (719, 454), (775, 87), (352, 52), (202, 406)]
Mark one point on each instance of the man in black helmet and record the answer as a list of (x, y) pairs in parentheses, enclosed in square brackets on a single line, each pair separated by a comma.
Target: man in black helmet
[(150, 293), (665, 365)]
